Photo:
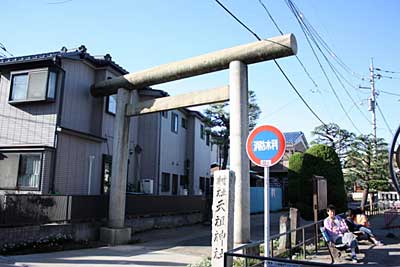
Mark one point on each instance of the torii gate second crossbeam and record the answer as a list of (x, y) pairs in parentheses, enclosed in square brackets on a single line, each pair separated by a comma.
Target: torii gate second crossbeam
[(128, 104)]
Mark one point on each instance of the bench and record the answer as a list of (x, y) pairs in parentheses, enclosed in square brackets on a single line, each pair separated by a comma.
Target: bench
[(335, 250)]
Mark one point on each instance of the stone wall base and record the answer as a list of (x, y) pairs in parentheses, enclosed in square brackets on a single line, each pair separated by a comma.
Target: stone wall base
[(91, 231)]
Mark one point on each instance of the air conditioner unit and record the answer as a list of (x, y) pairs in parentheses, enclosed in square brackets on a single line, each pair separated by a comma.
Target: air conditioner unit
[(147, 186)]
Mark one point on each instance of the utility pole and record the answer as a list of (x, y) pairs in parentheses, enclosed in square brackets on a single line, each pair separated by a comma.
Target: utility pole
[(372, 101)]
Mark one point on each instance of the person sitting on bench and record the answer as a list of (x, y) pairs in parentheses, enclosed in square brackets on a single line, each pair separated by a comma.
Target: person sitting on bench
[(361, 218), (339, 233), (355, 227)]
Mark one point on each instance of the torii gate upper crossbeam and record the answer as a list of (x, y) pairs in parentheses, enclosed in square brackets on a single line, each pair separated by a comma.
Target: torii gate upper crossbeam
[(276, 47)]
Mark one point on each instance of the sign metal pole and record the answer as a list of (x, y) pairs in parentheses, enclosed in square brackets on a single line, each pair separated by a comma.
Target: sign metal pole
[(265, 147), (266, 214)]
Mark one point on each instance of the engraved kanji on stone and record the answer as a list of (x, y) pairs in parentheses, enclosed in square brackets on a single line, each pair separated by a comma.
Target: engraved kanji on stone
[(220, 206), (219, 220)]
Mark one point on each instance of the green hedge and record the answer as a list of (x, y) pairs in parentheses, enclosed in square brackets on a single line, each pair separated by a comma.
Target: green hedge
[(318, 160)]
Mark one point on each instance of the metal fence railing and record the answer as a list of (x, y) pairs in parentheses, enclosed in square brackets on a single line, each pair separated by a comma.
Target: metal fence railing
[(307, 242), (17, 209), (241, 258)]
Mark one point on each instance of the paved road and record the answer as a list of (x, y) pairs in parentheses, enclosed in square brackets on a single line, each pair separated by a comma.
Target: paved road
[(185, 245), (169, 247)]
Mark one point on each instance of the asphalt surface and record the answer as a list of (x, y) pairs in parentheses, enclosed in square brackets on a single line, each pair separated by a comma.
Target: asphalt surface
[(187, 245)]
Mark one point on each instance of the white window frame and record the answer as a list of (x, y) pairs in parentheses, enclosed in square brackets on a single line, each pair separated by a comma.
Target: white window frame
[(36, 169), (108, 110), (174, 122), (50, 90)]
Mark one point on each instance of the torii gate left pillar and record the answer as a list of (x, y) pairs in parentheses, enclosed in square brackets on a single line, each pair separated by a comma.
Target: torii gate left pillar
[(116, 232)]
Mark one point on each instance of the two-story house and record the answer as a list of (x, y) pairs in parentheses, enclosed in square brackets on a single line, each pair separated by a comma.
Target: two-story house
[(55, 137), (182, 157)]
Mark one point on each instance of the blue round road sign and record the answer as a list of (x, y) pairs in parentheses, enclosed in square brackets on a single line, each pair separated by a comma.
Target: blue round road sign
[(265, 145)]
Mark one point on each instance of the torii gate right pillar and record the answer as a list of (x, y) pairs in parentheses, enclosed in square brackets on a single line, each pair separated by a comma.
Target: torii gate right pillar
[(239, 163)]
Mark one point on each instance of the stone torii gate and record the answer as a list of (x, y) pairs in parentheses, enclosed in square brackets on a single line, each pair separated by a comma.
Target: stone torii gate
[(128, 104)]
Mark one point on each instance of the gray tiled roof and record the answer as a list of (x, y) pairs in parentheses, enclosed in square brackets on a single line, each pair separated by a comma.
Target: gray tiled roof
[(291, 137), (79, 53)]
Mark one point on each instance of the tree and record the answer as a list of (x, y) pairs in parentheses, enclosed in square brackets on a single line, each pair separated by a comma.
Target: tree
[(295, 183), (320, 160), (368, 166), (218, 119), (335, 137)]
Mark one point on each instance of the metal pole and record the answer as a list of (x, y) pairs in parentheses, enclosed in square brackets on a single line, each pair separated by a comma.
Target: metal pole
[(239, 130), (266, 213)]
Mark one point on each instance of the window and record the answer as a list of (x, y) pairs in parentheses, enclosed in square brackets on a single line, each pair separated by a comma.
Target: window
[(29, 170), (207, 139), (165, 182), (111, 104), (164, 114), (184, 123), (20, 170), (202, 131), (174, 122), (33, 85)]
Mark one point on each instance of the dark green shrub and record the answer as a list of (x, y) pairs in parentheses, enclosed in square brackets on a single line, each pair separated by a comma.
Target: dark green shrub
[(294, 177), (318, 160)]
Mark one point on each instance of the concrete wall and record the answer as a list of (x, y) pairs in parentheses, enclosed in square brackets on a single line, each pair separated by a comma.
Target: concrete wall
[(90, 231), (28, 234)]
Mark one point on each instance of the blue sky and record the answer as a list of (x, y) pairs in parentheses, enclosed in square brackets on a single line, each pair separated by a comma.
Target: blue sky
[(142, 34)]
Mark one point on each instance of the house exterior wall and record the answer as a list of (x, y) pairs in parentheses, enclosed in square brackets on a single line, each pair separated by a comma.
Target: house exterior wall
[(75, 131), (149, 141), (190, 152), (80, 110), (48, 157), (172, 149), (202, 161), (29, 124), (73, 162), (26, 123)]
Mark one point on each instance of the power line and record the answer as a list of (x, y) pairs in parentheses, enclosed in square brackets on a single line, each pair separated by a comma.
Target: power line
[(388, 77), (387, 71), (309, 35), (3, 47), (323, 43), (305, 26), (389, 93), (298, 59), (238, 20), (270, 16), (58, 2), (276, 63), (384, 119)]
